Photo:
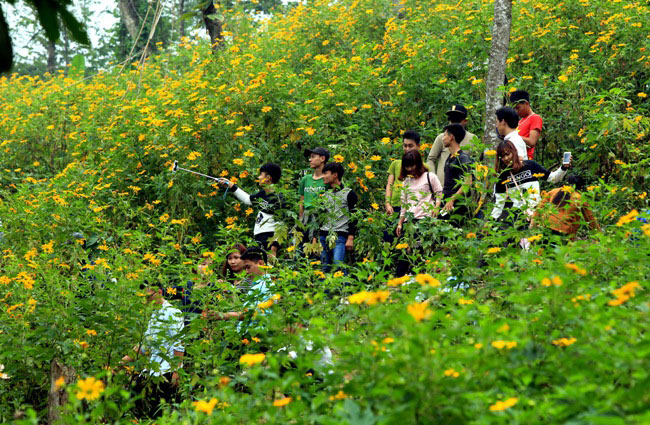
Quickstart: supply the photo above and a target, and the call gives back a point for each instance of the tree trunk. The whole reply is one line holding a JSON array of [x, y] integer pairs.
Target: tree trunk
[[66, 47], [181, 22], [214, 27], [130, 18], [58, 396], [51, 56], [496, 67]]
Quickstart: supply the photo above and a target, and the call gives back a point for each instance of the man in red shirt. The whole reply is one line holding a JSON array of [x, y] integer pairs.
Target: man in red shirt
[[530, 124]]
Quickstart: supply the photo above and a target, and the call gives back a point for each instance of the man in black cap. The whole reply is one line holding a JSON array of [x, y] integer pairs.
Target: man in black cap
[[457, 114], [312, 186]]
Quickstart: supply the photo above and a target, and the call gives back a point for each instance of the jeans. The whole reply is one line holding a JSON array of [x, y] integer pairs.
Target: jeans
[[334, 255]]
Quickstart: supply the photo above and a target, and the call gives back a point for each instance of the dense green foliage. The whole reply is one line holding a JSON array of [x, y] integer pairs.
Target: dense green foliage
[[94, 156]]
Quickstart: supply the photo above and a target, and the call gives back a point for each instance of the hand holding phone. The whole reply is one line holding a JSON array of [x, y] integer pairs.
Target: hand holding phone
[[566, 158]]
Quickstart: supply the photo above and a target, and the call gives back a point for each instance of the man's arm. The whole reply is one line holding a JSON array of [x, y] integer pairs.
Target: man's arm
[[434, 153], [352, 225], [301, 210], [389, 193], [533, 138]]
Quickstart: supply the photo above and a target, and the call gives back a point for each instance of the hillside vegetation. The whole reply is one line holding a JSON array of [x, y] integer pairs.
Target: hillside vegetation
[[556, 334]]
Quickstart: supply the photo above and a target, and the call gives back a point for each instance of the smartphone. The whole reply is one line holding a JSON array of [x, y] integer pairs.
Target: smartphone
[[566, 159]]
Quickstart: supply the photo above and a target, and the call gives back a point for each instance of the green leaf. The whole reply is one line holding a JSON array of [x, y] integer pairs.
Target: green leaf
[[76, 28], [47, 16], [77, 66], [6, 51]]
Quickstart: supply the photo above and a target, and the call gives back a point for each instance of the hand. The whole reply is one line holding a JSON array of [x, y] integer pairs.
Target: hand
[[349, 243], [449, 205], [224, 182], [389, 208], [398, 231]]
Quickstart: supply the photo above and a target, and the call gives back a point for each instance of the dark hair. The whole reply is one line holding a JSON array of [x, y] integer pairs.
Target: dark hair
[[508, 115], [409, 159], [456, 130], [226, 271], [519, 95], [334, 167], [561, 197], [254, 254], [503, 148], [411, 135], [272, 170]]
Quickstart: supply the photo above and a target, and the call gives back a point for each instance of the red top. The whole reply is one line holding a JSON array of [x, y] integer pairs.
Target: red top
[[528, 124]]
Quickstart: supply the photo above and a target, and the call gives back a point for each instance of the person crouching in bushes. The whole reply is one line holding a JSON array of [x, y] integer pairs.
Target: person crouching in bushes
[[268, 203], [163, 348], [519, 181], [254, 260], [562, 210], [421, 197], [335, 218]]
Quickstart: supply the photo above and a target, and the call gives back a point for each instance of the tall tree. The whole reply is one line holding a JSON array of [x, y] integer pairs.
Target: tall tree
[[52, 16], [496, 66], [214, 26]]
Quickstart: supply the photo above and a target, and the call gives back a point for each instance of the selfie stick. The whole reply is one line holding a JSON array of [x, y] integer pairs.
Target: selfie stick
[[217, 179]]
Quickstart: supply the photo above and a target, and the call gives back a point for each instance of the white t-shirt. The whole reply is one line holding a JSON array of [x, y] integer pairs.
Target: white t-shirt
[[519, 143], [162, 337]]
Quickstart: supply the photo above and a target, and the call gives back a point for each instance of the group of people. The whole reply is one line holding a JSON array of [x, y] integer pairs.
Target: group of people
[[417, 192]]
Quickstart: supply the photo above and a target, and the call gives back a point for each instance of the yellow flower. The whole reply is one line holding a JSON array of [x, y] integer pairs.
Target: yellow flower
[[563, 78], [375, 158], [534, 238], [419, 311], [452, 373], [59, 382], [398, 281], [503, 405], [627, 218], [576, 269], [493, 250], [348, 111], [427, 279], [370, 175], [401, 246], [249, 154], [564, 342], [238, 161], [91, 332], [339, 158], [463, 301], [252, 359], [264, 305], [471, 235], [266, 109], [499, 345], [385, 140], [89, 389], [642, 95], [490, 152], [282, 402], [205, 406], [163, 218], [193, 155], [338, 274]]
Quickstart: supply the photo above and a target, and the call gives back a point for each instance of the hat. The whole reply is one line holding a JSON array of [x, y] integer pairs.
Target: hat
[[457, 110], [519, 96], [318, 151]]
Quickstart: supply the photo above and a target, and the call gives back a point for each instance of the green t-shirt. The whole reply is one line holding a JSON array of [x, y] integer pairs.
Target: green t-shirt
[[394, 170], [311, 188]]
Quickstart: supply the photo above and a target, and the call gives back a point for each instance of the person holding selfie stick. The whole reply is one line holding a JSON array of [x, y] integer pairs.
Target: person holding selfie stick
[[268, 203], [519, 181]]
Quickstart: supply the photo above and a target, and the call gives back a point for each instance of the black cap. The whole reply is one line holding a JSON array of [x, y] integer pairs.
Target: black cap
[[319, 151], [519, 96], [457, 110]]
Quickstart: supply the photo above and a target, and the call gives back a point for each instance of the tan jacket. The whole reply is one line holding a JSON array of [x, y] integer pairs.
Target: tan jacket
[[566, 219], [440, 154]]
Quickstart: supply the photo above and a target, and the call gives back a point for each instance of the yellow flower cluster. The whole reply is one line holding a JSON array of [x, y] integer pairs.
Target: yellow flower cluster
[[624, 293], [503, 405], [564, 342], [419, 311], [427, 280], [89, 389], [627, 218], [369, 298], [398, 281], [252, 359], [500, 345], [579, 270], [550, 282]]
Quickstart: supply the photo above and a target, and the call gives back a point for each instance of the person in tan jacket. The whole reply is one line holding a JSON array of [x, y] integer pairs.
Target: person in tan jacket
[[563, 209], [457, 114]]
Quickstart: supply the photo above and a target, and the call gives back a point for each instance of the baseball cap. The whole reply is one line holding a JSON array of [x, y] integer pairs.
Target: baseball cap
[[318, 151], [458, 110]]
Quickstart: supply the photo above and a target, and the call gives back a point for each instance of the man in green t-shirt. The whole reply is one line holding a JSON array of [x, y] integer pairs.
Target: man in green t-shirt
[[410, 142], [312, 186]]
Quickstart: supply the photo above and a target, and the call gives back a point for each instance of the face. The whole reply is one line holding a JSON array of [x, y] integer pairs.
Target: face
[[501, 127], [447, 139], [253, 267], [264, 179], [410, 170], [154, 295], [521, 109], [329, 177], [235, 263], [409, 145], [506, 158], [316, 160]]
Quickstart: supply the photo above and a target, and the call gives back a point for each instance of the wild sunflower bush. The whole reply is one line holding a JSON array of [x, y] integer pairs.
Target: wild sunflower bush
[[484, 332]]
